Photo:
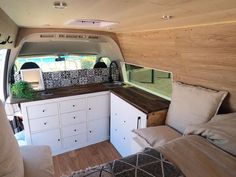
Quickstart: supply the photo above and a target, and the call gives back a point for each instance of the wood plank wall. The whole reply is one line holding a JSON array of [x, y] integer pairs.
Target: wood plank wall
[[203, 55]]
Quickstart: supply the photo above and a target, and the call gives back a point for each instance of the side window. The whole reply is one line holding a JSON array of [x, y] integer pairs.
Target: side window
[[3, 53], [152, 80]]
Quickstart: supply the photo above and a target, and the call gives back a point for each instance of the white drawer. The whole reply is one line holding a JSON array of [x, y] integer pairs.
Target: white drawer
[[73, 118], [73, 130], [72, 105], [74, 142], [50, 138], [98, 130], [46, 123], [44, 110]]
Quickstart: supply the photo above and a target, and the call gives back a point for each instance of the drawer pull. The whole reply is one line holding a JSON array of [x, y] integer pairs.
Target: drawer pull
[[124, 138], [90, 131], [124, 121], [44, 110], [75, 130], [45, 123], [74, 117], [138, 122], [73, 105], [58, 140], [76, 141], [89, 108]]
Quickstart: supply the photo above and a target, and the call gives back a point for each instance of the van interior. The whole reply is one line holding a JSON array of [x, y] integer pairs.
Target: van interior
[[126, 88]]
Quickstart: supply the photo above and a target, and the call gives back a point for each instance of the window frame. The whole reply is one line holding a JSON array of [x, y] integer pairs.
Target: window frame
[[126, 80]]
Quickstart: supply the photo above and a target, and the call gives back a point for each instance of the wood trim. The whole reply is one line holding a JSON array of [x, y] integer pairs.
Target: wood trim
[[23, 32], [203, 55]]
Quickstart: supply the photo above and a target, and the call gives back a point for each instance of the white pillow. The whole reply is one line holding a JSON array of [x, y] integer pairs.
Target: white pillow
[[192, 105], [11, 162]]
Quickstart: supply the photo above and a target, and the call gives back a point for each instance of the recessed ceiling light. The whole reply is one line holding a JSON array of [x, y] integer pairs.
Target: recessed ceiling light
[[60, 5], [166, 17]]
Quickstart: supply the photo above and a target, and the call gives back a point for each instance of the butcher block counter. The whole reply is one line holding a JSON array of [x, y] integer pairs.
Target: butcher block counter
[[146, 102]]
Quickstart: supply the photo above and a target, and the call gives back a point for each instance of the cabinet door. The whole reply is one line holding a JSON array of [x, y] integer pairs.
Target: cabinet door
[[124, 119], [98, 130], [50, 138], [98, 107]]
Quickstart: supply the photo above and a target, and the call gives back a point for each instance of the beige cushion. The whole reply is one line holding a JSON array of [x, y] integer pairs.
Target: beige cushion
[[11, 163], [192, 105], [156, 136], [221, 131], [37, 161]]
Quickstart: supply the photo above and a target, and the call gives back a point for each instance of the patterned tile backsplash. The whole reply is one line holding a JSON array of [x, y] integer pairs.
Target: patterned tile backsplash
[[76, 77]]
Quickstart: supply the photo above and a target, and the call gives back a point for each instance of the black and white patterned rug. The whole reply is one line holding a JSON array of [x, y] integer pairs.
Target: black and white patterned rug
[[149, 163]]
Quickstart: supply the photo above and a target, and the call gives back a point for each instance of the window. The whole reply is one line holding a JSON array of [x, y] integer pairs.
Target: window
[[3, 53], [152, 80], [59, 63]]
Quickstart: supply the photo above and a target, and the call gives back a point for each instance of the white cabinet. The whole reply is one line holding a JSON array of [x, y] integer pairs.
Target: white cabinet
[[124, 119], [67, 123]]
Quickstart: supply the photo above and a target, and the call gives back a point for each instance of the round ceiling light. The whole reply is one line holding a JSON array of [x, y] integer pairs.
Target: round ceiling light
[[60, 5], [166, 17]]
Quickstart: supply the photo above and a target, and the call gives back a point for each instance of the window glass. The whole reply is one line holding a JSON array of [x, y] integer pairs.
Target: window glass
[[3, 53], [152, 80], [59, 63]]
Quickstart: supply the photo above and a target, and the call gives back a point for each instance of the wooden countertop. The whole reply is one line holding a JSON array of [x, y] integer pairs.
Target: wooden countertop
[[142, 100], [64, 92]]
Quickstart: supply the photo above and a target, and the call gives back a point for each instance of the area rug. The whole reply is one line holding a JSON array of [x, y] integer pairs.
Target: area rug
[[149, 163]]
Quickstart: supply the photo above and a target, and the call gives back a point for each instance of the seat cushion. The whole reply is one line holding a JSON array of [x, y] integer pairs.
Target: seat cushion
[[192, 105], [156, 136], [11, 163], [37, 161]]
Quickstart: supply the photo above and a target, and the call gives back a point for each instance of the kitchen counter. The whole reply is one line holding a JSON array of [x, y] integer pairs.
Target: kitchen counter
[[142, 100]]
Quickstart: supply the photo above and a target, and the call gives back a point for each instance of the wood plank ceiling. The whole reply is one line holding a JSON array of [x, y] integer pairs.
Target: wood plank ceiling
[[132, 15]]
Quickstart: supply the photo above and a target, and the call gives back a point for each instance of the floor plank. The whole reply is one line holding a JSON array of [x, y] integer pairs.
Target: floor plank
[[83, 158]]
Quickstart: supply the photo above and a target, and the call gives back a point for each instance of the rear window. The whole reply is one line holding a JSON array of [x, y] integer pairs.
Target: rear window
[[55, 63]]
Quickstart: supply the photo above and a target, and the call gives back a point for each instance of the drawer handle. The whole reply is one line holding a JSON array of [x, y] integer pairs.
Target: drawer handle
[[73, 105], [138, 122], [124, 121], [89, 108], [76, 141], [45, 123], [44, 110], [124, 138], [75, 130], [74, 117], [90, 131], [58, 140]]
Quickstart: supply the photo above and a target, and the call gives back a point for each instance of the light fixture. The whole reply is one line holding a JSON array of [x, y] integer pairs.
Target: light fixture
[[90, 23], [166, 17], [60, 5]]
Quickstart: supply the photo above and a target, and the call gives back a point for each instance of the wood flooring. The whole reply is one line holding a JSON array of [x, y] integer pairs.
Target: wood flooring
[[85, 157]]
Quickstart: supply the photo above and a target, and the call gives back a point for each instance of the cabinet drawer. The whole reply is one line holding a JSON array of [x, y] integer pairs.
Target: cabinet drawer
[[98, 130], [73, 130], [50, 138], [74, 142], [44, 110], [73, 118], [72, 105], [44, 123]]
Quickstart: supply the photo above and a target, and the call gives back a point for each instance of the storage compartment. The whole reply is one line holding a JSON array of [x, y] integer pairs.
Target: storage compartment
[[42, 124], [73, 118], [50, 138], [43, 110], [72, 105], [74, 142], [73, 130]]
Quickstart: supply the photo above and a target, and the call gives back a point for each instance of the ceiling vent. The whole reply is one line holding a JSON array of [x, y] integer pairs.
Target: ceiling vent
[[90, 23]]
